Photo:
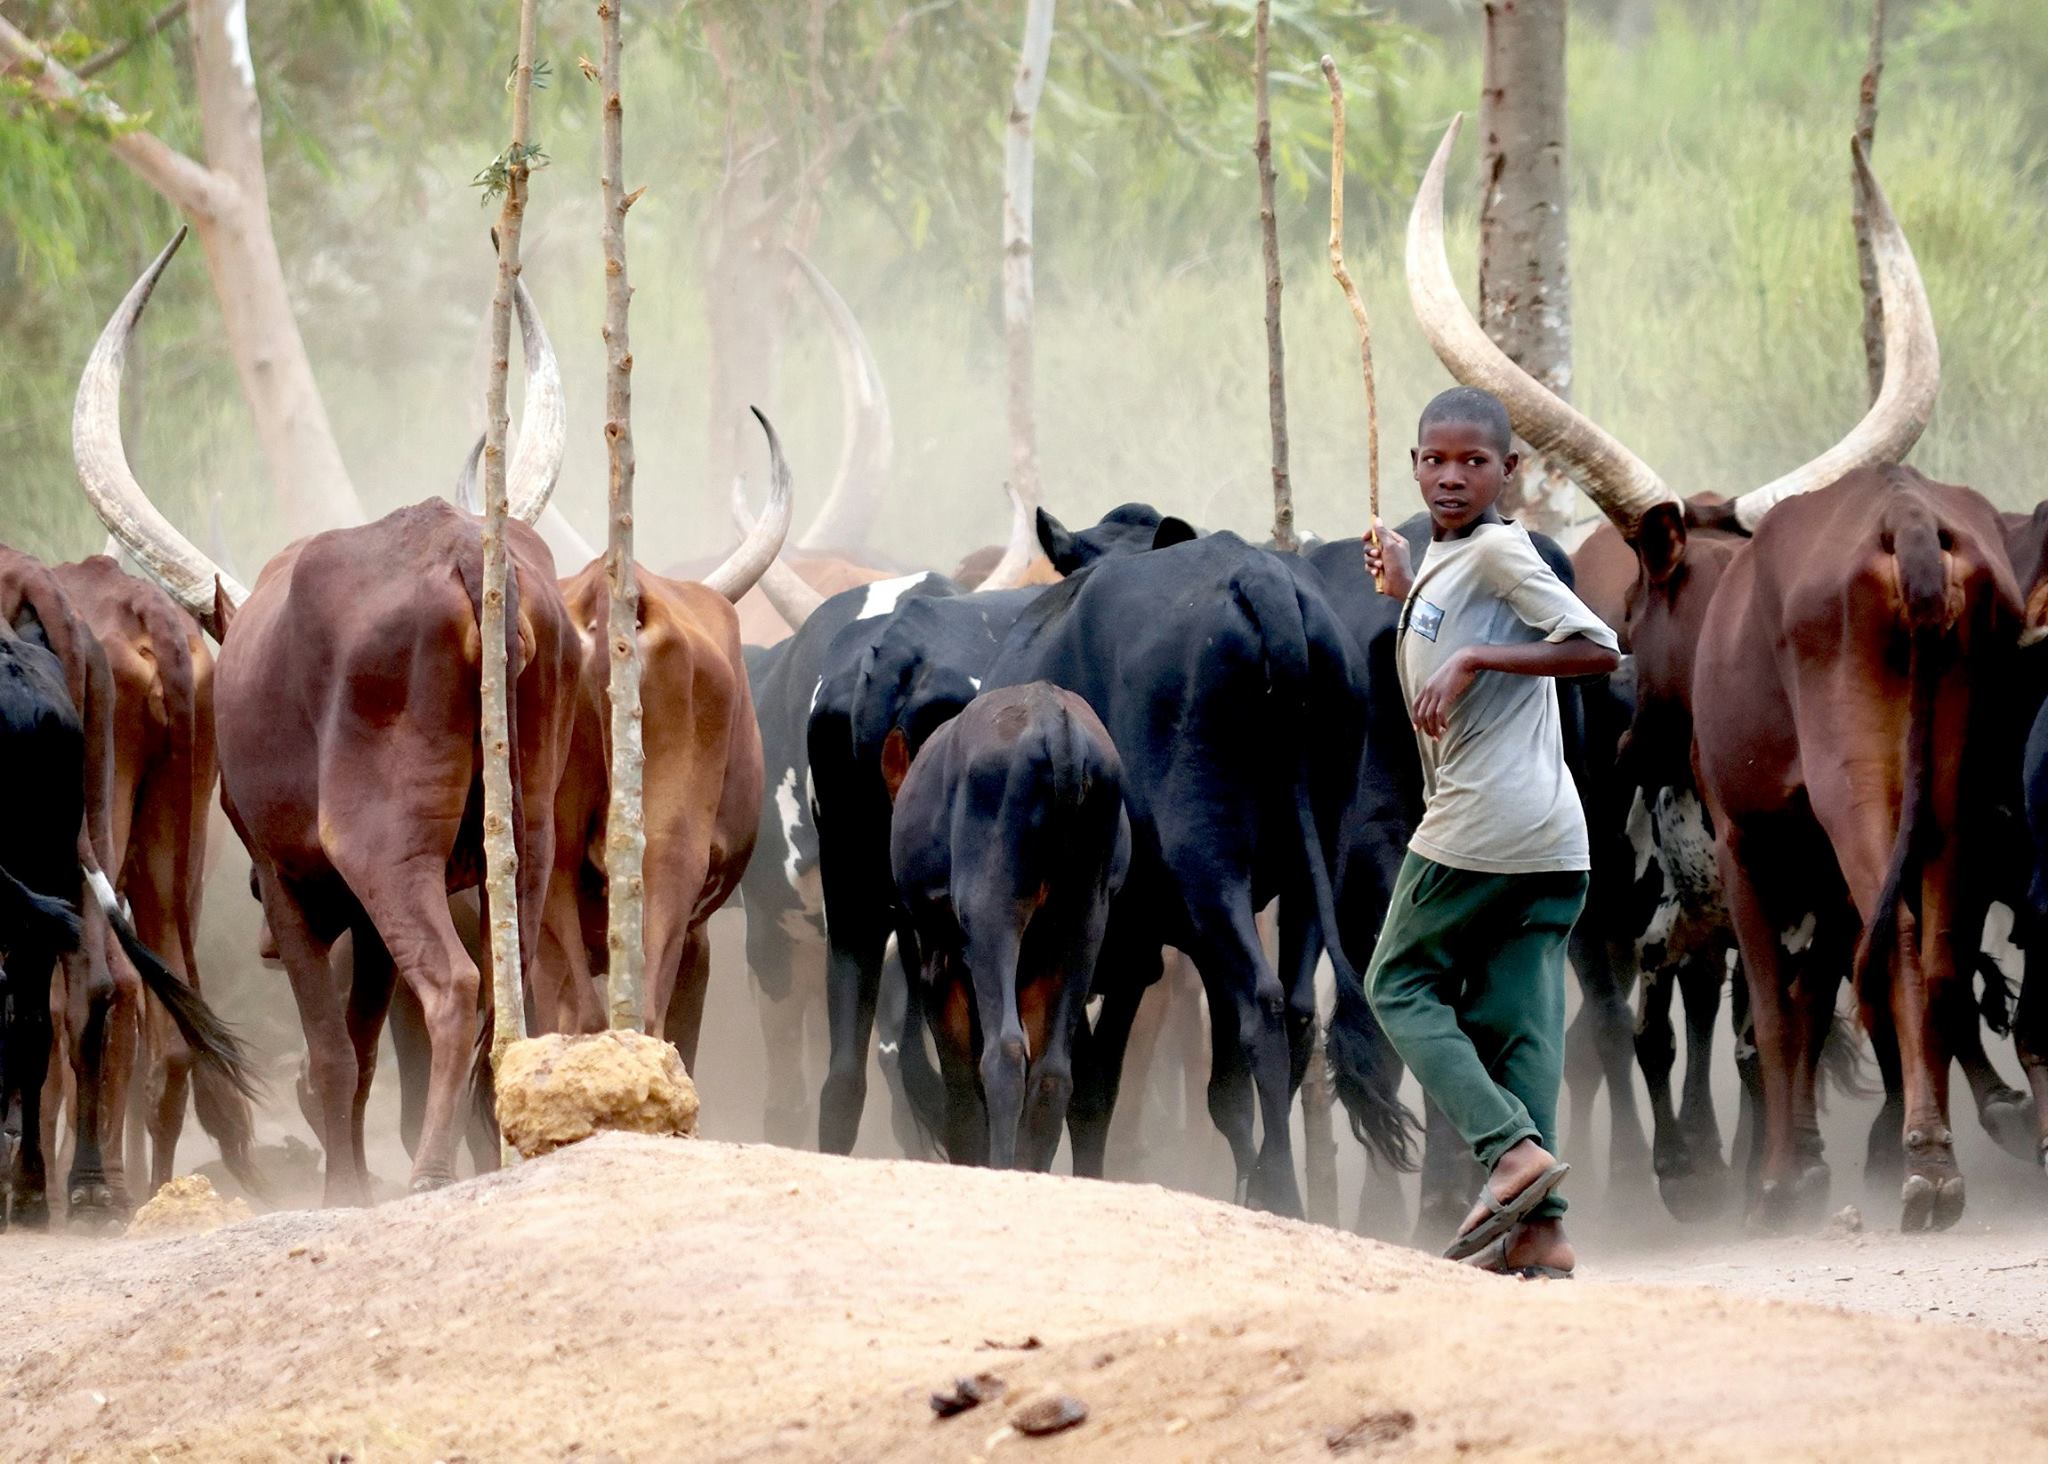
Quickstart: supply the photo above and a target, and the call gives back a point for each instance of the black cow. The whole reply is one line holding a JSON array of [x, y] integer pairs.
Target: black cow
[[889, 682], [1228, 686], [1008, 842], [42, 881], [782, 889]]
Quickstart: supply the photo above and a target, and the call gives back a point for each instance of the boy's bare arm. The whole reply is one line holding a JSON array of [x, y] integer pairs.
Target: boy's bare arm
[[1573, 656]]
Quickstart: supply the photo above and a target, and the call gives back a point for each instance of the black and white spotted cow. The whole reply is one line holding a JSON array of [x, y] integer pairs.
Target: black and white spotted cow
[[783, 890]]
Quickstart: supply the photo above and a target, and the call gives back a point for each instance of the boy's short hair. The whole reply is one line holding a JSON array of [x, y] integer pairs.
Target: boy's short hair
[[1470, 405]]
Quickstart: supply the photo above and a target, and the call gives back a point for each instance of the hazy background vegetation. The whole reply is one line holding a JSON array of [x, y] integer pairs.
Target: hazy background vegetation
[[1714, 272]]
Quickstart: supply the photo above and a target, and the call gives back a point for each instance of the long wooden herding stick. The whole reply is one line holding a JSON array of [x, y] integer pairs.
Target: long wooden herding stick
[[1343, 276]]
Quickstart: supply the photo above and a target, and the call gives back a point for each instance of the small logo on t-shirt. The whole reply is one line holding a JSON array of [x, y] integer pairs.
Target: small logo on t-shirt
[[1425, 619]]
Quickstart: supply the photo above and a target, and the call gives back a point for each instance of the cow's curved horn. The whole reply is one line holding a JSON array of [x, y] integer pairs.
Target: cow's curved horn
[[744, 567], [1619, 481], [109, 483], [1912, 366], [468, 497], [1010, 570], [543, 421], [867, 438], [791, 595]]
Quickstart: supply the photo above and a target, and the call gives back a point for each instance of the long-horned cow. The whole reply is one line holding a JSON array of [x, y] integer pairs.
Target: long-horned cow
[[701, 783], [163, 775], [347, 719], [1683, 552]]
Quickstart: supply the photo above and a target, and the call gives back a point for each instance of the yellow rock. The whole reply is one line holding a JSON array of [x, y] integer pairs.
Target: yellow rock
[[187, 1206], [556, 1090]]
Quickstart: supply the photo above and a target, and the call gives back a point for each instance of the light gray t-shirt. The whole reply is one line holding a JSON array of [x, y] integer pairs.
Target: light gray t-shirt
[[1499, 798]]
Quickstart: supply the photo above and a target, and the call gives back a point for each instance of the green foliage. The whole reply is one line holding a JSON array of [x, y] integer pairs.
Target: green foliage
[[496, 175], [1715, 296]]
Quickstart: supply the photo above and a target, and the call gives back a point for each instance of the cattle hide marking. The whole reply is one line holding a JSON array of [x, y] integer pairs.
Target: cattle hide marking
[[882, 596]]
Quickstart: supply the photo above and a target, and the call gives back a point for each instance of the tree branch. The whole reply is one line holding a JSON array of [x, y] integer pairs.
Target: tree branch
[[197, 191], [93, 65]]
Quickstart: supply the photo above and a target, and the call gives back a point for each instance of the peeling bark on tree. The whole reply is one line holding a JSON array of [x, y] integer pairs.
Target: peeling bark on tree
[[1524, 254], [1866, 260], [1276, 356], [1017, 289], [501, 843], [625, 843], [226, 200]]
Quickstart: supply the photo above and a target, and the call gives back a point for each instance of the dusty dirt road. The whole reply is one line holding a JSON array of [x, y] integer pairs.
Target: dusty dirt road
[[647, 1299]]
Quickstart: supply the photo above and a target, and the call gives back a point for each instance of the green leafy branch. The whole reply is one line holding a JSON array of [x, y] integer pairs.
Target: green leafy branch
[[496, 176]]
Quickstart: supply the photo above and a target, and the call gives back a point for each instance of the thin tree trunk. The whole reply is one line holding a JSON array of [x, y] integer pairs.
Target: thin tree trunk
[[227, 202], [1017, 294], [625, 843], [1524, 255], [1276, 356], [1866, 261], [501, 843]]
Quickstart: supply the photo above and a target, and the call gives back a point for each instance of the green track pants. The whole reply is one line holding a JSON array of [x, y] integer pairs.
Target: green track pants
[[1468, 981]]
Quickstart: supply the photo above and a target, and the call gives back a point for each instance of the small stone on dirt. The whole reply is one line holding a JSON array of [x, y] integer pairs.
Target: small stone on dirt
[[1847, 1221], [1374, 1428], [1049, 1415], [187, 1206], [969, 1393], [557, 1090]]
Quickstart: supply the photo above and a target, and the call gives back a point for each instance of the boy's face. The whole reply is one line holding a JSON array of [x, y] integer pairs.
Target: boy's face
[[1460, 471]]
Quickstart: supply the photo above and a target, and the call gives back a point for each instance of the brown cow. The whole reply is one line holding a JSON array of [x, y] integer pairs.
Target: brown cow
[[1835, 700], [701, 789], [97, 992], [347, 716], [1676, 551], [164, 771]]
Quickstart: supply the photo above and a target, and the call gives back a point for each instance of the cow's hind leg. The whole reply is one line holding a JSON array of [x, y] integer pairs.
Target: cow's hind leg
[[1450, 1177], [1128, 964], [2005, 1112], [93, 1013], [408, 903], [1249, 1052], [1599, 1050], [24, 1065], [369, 1002], [853, 983], [1701, 1190]]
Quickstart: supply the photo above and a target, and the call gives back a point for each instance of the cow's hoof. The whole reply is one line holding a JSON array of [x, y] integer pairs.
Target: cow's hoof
[[427, 1183], [91, 1208], [1773, 1208], [2009, 1119], [1695, 1196], [1948, 1201], [1810, 1190], [1916, 1203], [30, 1211]]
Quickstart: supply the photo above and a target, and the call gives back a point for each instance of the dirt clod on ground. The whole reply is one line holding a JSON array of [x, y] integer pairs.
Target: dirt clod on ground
[[186, 1206], [811, 1303], [559, 1090]]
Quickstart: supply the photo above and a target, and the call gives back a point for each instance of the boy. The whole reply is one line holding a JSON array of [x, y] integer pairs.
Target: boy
[[1468, 976]]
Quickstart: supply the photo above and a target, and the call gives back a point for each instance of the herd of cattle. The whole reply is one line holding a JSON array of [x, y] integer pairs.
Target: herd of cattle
[[1825, 757]]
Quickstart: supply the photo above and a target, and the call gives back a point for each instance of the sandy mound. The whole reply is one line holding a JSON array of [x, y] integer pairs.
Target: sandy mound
[[186, 1205], [641, 1298], [560, 1090]]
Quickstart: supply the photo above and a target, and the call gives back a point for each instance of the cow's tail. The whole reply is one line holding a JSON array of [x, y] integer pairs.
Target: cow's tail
[[1923, 581], [215, 1047], [1363, 1069], [49, 922]]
